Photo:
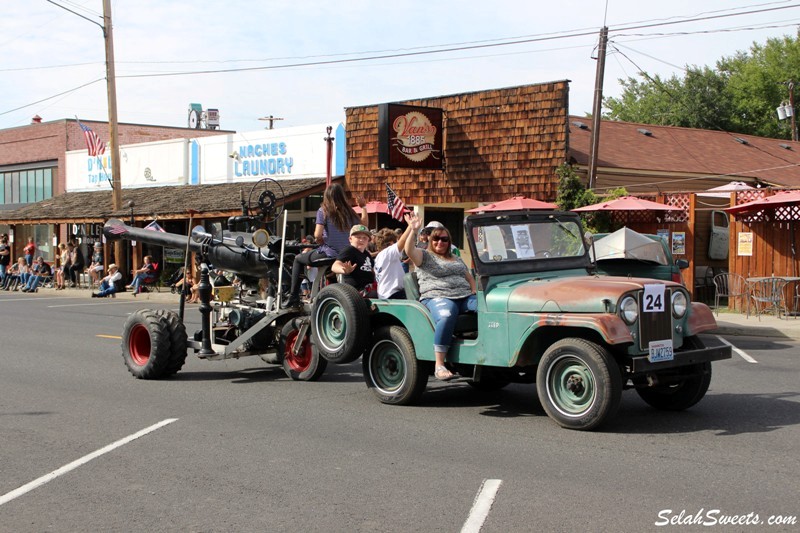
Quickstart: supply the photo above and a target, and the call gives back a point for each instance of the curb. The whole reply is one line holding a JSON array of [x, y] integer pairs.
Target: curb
[[754, 331]]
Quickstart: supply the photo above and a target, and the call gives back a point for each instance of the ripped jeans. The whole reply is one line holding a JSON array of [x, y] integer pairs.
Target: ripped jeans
[[445, 313]]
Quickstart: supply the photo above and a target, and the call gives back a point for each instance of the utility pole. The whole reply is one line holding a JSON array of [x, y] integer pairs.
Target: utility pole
[[116, 181], [791, 103], [597, 105], [270, 119]]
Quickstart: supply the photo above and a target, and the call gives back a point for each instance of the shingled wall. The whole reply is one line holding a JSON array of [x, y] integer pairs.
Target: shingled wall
[[498, 143]]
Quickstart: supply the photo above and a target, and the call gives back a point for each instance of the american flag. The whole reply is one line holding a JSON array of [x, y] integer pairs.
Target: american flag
[[93, 143], [394, 205], [153, 226]]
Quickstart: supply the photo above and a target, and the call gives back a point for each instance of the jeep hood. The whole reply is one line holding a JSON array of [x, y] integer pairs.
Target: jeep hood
[[573, 295]]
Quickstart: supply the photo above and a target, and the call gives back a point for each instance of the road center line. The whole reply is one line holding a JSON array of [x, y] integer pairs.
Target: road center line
[[481, 506], [737, 350], [16, 493], [85, 304]]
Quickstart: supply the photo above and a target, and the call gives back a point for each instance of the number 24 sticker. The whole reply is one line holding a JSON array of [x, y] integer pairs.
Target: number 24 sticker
[[653, 299]]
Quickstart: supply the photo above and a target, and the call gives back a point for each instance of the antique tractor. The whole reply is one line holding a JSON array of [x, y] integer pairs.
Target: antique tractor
[[236, 321]]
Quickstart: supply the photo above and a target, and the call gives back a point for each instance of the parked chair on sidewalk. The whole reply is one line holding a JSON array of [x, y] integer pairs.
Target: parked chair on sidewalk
[[729, 285], [767, 294]]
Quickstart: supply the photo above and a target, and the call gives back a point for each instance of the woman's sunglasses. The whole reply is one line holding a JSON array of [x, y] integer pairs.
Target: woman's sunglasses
[[443, 238]]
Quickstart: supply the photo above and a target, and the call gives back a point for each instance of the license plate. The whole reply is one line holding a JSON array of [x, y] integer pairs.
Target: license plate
[[660, 351]]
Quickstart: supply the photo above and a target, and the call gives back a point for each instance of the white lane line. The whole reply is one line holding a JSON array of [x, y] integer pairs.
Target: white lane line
[[16, 493], [86, 304], [481, 506], [737, 350]]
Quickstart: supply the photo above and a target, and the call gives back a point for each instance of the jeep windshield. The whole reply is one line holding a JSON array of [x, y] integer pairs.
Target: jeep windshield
[[537, 240]]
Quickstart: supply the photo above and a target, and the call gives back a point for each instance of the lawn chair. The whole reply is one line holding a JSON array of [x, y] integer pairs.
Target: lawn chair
[[729, 285], [767, 294], [152, 281]]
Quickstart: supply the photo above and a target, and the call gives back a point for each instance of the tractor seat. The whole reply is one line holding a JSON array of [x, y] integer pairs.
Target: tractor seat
[[323, 262], [466, 322]]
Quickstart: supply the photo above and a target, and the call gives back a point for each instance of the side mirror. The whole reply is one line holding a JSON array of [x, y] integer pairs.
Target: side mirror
[[682, 263]]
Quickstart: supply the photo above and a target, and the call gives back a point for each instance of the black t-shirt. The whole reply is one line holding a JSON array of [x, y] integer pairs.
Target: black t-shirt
[[363, 274], [5, 259]]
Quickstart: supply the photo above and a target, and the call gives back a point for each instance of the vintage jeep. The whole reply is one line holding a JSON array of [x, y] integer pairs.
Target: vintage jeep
[[543, 316]]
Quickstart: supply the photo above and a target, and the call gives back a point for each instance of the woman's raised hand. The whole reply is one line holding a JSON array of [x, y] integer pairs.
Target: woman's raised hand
[[414, 221]]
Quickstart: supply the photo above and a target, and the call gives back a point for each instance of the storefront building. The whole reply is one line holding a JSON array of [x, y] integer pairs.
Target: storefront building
[[33, 169]]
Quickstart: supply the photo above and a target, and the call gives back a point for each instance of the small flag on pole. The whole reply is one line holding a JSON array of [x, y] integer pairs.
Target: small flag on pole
[[154, 226], [394, 205], [93, 143]]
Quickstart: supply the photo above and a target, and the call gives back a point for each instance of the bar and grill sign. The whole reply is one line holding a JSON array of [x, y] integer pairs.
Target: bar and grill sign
[[409, 137]]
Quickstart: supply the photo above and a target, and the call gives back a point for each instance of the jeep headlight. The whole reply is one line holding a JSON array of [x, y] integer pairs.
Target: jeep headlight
[[678, 304], [629, 310]]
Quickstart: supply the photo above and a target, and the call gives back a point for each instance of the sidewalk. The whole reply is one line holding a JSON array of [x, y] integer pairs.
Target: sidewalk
[[768, 326]]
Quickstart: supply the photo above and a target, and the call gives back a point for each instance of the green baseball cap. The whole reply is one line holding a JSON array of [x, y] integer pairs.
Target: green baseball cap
[[360, 228]]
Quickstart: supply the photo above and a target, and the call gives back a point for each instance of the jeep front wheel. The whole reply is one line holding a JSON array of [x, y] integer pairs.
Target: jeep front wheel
[[681, 395], [391, 368], [578, 383]]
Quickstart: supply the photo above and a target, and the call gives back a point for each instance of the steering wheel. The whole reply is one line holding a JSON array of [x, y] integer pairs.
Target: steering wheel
[[263, 201]]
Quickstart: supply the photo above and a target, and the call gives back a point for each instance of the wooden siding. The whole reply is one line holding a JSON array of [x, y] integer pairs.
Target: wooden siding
[[498, 143]]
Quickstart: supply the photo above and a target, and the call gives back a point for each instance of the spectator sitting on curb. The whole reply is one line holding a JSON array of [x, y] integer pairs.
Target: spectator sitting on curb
[[13, 275], [39, 271], [108, 285]]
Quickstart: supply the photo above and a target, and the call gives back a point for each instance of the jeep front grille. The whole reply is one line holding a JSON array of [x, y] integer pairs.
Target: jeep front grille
[[655, 326]]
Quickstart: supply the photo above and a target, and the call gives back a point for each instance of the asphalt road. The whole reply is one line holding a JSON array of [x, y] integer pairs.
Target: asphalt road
[[243, 448]]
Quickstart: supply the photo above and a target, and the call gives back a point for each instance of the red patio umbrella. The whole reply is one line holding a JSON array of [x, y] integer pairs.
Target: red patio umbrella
[[373, 207], [779, 199], [513, 204], [627, 203]]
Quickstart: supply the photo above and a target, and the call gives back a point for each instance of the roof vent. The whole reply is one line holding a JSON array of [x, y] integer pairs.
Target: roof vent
[[580, 125], [740, 140], [785, 146], [646, 133]]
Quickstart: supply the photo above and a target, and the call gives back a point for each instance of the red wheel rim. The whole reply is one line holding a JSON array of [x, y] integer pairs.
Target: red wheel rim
[[139, 345], [301, 361]]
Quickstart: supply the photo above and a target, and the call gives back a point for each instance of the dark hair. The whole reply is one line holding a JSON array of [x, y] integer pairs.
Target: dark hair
[[336, 208], [443, 232]]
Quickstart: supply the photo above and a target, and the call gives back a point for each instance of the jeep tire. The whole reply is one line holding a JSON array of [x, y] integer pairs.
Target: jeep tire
[[681, 395], [391, 368], [579, 384]]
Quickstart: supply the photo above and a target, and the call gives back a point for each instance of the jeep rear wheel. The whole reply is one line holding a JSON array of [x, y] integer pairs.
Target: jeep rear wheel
[[579, 384], [681, 395], [391, 368], [306, 364]]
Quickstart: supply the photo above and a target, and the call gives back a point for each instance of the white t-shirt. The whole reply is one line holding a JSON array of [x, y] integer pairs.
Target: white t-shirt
[[388, 271]]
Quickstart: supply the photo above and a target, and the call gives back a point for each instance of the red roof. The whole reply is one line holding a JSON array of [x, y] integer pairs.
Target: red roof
[[650, 148]]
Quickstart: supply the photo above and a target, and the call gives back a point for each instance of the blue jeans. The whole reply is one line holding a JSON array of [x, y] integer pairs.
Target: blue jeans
[[138, 281], [33, 282], [445, 313], [106, 289]]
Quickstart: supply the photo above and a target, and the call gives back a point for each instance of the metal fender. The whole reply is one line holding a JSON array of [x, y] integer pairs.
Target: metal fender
[[610, 327], [700, 319], [414, 317]]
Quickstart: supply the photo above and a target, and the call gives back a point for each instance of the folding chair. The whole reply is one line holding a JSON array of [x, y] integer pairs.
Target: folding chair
[[767, 294], [729, 285]]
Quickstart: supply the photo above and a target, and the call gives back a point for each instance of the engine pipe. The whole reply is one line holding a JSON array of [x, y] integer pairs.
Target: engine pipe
[[228, 253]]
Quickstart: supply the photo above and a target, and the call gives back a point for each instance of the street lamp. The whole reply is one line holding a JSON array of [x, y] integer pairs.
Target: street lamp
[[130, 206]]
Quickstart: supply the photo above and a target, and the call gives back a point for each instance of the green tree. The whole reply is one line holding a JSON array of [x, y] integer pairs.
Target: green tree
[[739, 94]]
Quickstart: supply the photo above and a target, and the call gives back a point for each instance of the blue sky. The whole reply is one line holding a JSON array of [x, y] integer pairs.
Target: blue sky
[[46, 51]]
